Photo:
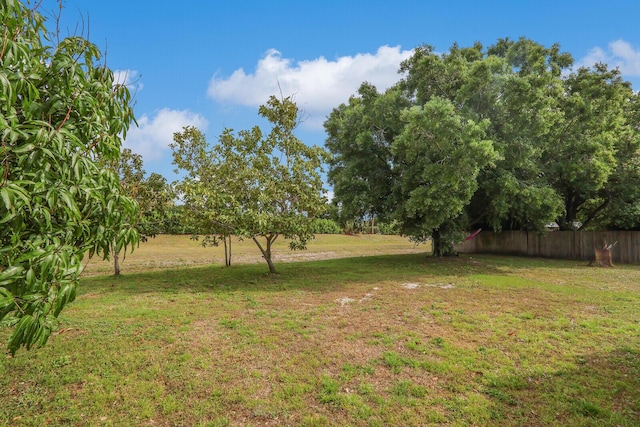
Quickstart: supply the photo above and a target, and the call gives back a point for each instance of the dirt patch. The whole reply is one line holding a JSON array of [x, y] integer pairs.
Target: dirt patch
[[428, 285], [344, 301]]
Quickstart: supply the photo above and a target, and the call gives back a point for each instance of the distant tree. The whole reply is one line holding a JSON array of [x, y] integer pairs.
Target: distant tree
[[206, 194], [156, 198], [129, 170], [153, 195], [253, 185], [62, 118], [177, 222]]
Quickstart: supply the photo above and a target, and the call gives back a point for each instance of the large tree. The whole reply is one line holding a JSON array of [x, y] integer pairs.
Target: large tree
[[618, 203], [590, 160], [360, 134], [516, 86], [565, 143], [62, 117], [440, 154], [253, 185]]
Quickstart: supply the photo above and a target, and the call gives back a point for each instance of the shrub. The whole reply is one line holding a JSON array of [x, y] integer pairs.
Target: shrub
[[325, 226]]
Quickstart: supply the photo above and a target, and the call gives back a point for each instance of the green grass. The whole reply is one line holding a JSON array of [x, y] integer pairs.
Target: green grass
[[481, 341]]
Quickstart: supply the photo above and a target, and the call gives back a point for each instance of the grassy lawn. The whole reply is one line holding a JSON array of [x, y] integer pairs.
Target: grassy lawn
[[383, 339], [164, 252]]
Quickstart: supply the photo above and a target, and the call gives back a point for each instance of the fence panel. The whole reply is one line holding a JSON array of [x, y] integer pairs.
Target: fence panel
[[557, 244]]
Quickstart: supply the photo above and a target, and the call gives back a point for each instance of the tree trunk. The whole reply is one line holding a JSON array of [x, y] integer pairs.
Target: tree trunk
[[437, 243], [227, 251], [572, 205], [272, 267], [116, 263], [226, 255], [595, 212], [266, 251], [267, 255]]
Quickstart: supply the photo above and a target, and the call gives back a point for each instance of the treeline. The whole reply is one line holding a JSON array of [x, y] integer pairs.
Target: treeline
[[507, 137], [173, 219]]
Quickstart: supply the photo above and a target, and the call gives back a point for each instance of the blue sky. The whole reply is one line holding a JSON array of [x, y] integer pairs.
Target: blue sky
[[211, 63]]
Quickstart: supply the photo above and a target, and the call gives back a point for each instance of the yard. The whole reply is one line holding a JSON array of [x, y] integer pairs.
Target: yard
[[359, 330]]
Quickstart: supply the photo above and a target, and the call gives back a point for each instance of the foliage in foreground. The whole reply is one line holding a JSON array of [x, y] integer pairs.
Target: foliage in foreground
[[61, 120], [388, 340]]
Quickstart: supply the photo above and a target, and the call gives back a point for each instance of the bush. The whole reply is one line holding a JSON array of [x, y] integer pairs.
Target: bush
[[389, 228], [325, 226]]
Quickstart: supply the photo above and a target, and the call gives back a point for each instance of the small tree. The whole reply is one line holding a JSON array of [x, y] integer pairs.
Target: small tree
[[253, 185], [129, 170], [153, 195], [156, 199], [61, 119]]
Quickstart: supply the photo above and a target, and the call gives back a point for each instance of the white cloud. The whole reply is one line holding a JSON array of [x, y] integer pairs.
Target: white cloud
[[329, 195], [619, 54], [319, 85], [154, 134], [129, 78]]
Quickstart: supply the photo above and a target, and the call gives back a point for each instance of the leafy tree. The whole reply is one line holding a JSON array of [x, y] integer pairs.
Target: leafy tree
[[177, 222], [516, 194], [440, 154], [61, 118], [253, 185], [564, 145], [129, 170], [153, 195], [618, 204], [392, 158], [515, 85], [359, 135], [593, 145], [156, 199], [207, 202]]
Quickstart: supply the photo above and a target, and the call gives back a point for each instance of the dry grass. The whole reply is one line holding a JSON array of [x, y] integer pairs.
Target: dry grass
[[168, 251]]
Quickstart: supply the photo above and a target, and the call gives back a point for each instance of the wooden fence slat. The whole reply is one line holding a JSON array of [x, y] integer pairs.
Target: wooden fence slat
[[557, 244]]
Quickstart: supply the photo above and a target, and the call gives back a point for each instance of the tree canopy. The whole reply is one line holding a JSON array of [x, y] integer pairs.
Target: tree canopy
[[441, 154], [62, 117], [253, 185], [504, 137]]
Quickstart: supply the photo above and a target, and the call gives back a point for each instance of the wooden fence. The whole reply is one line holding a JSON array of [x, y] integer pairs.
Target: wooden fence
[[557, 244]]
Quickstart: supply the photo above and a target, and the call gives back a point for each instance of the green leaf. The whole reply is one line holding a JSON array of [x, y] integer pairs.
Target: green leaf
[[6, 198], [10, 274], [61, 135], [6, 299]]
